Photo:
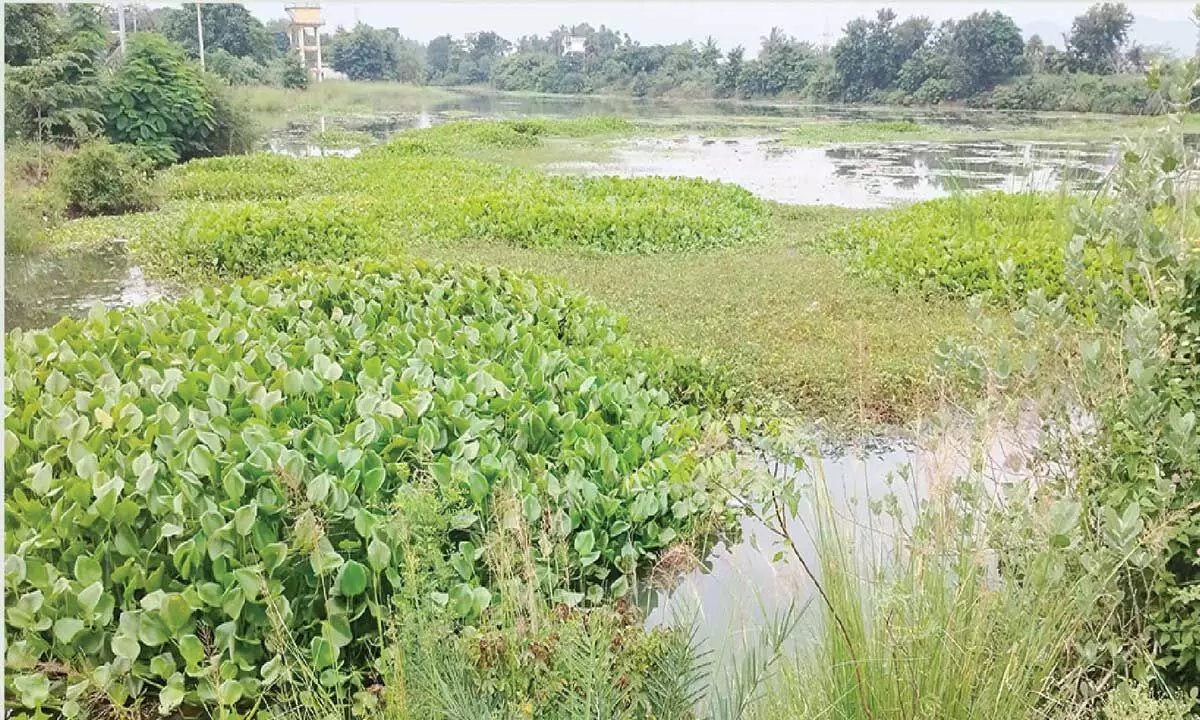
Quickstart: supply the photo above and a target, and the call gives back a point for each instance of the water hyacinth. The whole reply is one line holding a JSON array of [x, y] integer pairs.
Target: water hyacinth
[[182, 475]]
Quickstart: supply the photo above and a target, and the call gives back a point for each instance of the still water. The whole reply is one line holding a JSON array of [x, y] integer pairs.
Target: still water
[[41, 288], [861, 175]]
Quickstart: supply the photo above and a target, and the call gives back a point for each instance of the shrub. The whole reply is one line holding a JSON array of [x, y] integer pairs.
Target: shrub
[[185, 477], [106, 179], [292, 73], [156, 96], [1077, 92], [235, 70]]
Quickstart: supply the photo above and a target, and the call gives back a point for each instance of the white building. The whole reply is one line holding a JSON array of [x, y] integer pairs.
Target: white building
[[574, 44]]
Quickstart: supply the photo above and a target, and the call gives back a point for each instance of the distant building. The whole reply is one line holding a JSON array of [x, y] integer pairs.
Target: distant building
[[574, 44], [305, 28]]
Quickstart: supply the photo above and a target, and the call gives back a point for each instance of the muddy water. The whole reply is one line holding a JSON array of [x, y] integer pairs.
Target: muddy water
[[39, 289], [861, 175]]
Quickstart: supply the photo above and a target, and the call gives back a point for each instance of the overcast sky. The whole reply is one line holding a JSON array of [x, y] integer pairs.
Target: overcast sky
[[731, 23]]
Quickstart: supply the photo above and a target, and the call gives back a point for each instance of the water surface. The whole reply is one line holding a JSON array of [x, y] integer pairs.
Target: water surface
[[41, 288]]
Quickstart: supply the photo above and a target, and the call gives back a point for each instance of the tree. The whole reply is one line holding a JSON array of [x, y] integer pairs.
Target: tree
[[986, 49], [157, 98], [1097, 36], [484, 49], [850, 60], [443, 57], [365, 53], [227, 26], [293, 74], [1035, 54], [710, 54], [730, 73], [30, 32]]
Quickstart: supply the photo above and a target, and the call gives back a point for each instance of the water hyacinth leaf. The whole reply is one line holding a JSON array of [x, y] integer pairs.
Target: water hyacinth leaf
[[252, 472], [65, 629], [175, 612], [191, 649], [89, 597], [322, 653], [379, 556], [352, 579]]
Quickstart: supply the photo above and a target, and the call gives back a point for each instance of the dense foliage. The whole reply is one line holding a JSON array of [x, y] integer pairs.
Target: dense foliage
[[236, 240], [106, 179], [417, 188], [159, 99], [879, 59], [228, 27], [365, 53], [186, 479], [996, 244]]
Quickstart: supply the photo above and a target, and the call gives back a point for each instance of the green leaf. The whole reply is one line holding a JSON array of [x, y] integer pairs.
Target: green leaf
[[191, 649], [379, 555], [175, 612], [65, 629], [89, 597], [584, 542], [244, 517], [352, 579], [88, 571], [322, 653], [126, 646]]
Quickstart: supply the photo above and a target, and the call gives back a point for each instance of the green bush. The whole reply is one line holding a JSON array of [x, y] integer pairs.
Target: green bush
[[158, 98], [995, 244], [106, 179], [184, 480], [1076, 92], [292, 73]]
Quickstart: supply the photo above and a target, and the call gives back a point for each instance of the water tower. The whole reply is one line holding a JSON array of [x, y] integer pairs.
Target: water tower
[[304, 32]]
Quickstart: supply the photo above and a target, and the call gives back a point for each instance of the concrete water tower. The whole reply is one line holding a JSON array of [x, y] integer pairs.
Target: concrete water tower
[[304, 32]]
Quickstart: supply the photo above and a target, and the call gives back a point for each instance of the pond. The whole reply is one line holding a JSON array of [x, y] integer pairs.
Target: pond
[[41, 288], [861, 175]]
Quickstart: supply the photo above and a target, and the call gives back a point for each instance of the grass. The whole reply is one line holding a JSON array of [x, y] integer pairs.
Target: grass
[[787, 316], [918, 620], [275, 106]]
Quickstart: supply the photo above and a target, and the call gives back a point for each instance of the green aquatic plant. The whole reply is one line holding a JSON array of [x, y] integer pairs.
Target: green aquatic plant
[[183, 477], [998, 245], [448, 199], [340, 138]]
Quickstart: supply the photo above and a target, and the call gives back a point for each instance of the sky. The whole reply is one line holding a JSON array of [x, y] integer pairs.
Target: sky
[[731, 23]]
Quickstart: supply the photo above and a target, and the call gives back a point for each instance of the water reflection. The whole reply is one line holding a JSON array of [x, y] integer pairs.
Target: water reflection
[[742, 584], [39, 289], [862, 176]]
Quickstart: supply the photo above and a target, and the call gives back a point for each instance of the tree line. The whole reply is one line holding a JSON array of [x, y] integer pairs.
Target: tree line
[[878, 59]]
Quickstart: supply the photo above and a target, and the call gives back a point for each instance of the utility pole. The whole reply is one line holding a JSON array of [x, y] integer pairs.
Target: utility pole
[[121, 26], [200, 32]]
